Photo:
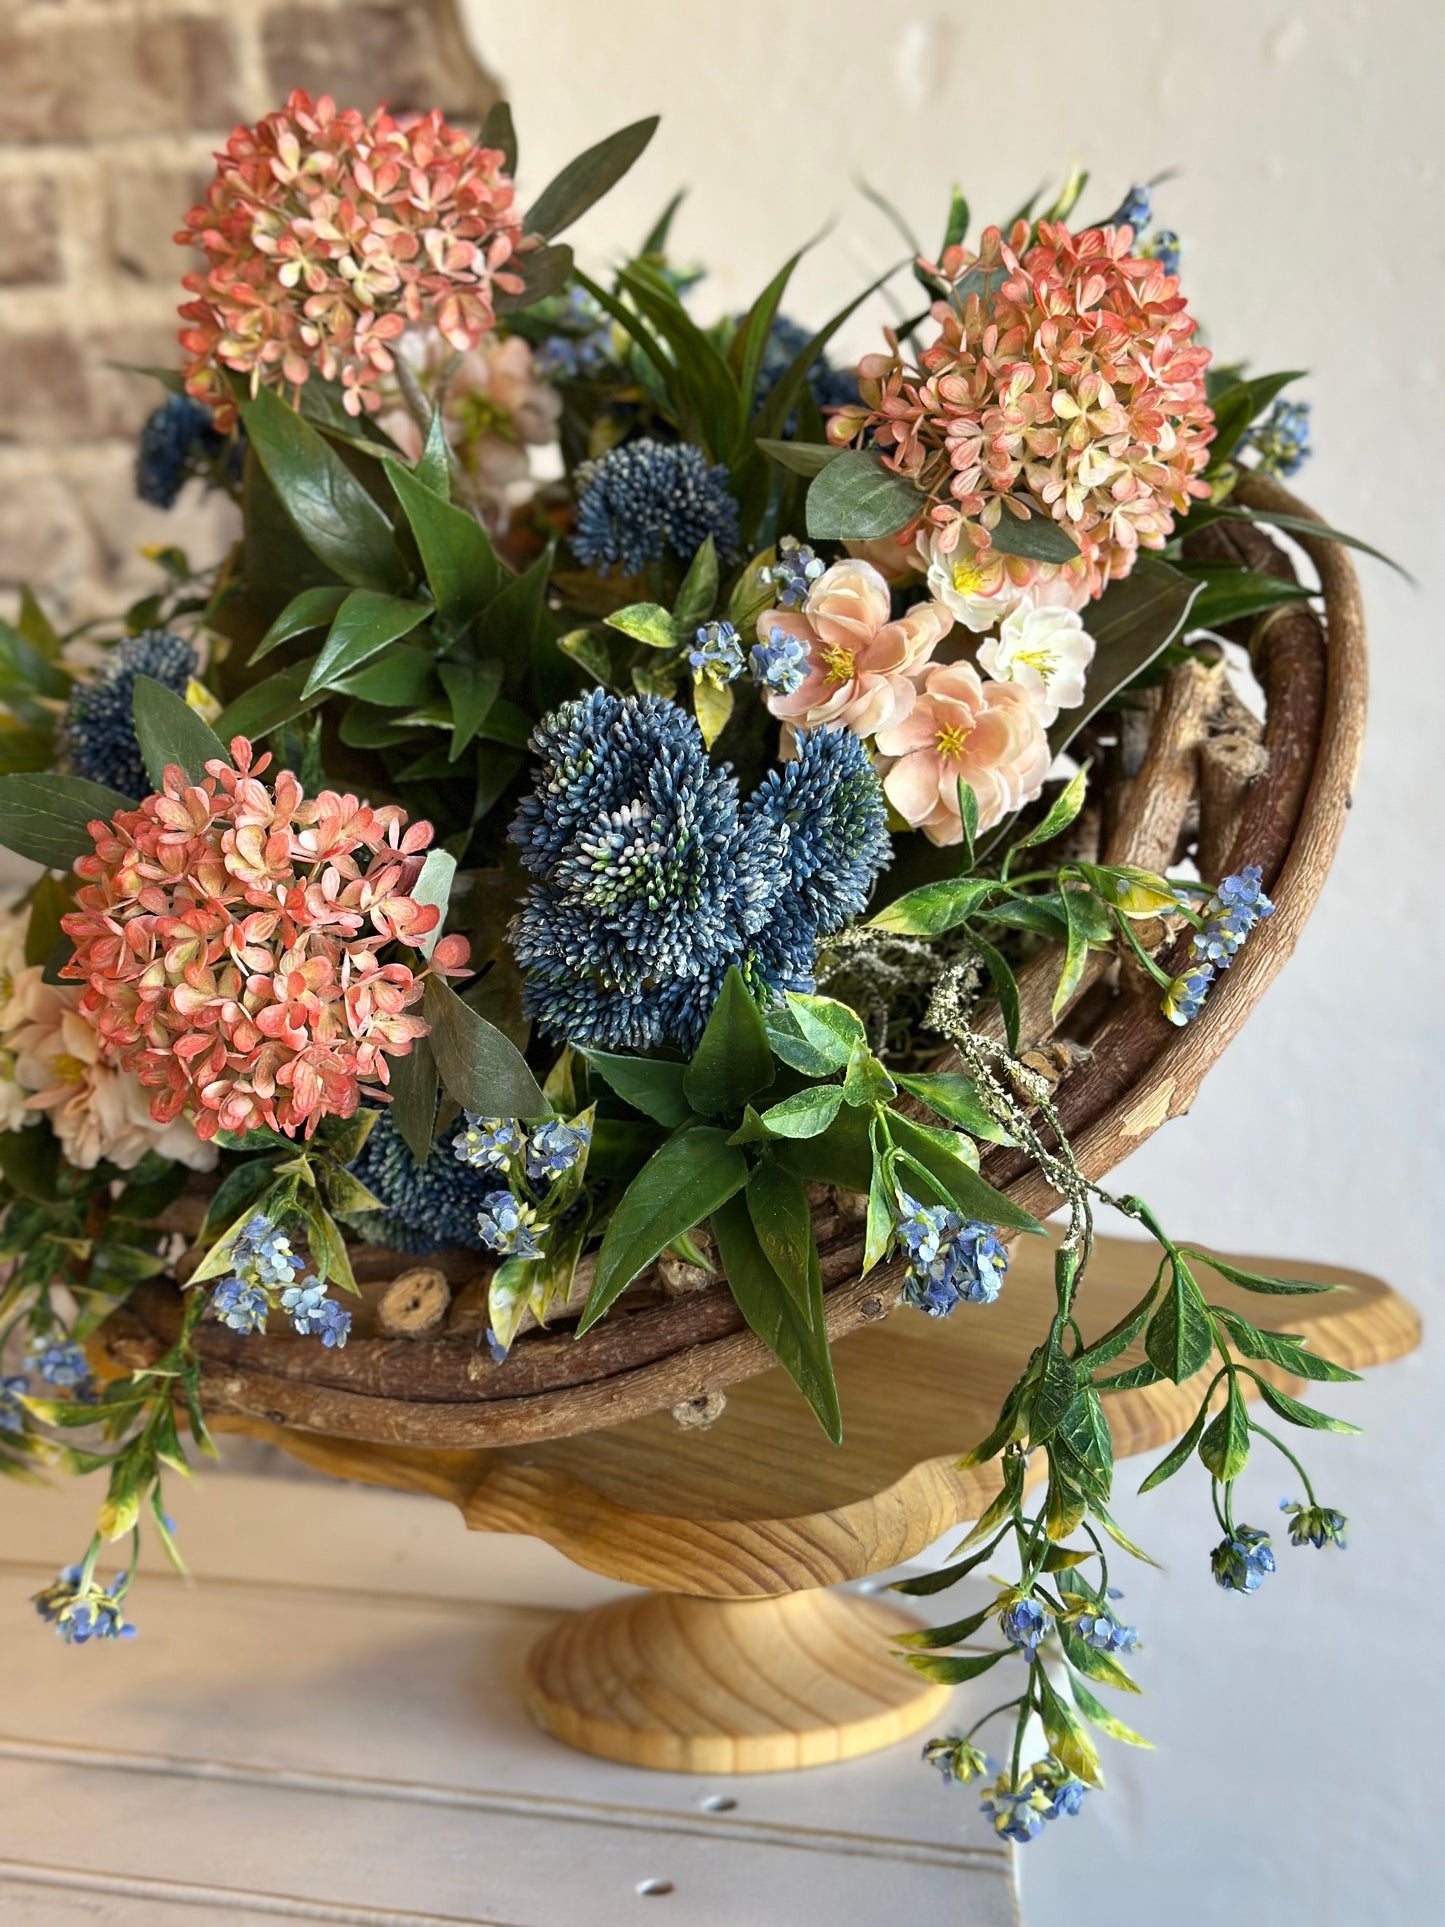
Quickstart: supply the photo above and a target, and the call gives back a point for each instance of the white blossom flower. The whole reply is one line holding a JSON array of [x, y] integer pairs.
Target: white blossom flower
[[1046, 652]]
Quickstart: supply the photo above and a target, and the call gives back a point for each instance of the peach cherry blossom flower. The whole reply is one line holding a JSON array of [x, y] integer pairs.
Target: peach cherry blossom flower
[[1044, 652], [963, 728], [980, 585], [862, 664]]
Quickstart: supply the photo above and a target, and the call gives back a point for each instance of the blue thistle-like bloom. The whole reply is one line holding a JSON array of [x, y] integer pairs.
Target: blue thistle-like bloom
[[1281, 442], [98, 731], [792, 572], [829, 805], [179, 439], [1162, 246], [1240, 1563], [425, 1207], [1105, 1633], [60, 1362], [950, 1260], [1024, 1623], [509, 1226], [1063, 1790], [81, 1611], [830, 387], [241, 1306], [1018, 1813], [779, 665], [1230, 914], [956, 1759], [12, 1413], [554, 1148], [1133, 211], [649, 498], [718, 655], [1313, 1525]]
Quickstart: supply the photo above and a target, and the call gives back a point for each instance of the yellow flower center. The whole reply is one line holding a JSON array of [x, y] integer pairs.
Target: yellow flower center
[[950, 742], [70, 1070], [1045, 661], [967, 576], [838, 662]]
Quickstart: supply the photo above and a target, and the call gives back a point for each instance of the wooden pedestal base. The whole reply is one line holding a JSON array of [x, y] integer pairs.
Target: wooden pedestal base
[[729, 1685]]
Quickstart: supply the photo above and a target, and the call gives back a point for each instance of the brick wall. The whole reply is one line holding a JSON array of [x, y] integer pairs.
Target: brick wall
[[109, 111]]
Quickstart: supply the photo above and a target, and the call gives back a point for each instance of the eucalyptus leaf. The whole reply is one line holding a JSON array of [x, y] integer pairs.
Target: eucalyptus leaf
[[479, 1066], [414, 1098], [1037, 539], [856, 498], [47, 817], [586, 179], [169, 731], [434, 885]]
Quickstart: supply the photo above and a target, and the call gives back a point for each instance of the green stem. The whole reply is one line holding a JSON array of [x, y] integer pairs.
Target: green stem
[[1280, 1446]]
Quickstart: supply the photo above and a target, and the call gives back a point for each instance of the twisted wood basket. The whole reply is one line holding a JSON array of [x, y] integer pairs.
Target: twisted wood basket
[[1197, 772]]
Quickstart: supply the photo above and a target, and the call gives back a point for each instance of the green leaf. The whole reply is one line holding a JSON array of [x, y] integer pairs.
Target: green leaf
[[649, 1085], [1278, 1348], [462, 569], [974, 1196], [1230, 592], [831, 1028], [806, 1113], [266, 705], [1293, 1413], [50, 900], [856, 499], [1131, 1380], [927, 1583], [934, 908], [414, 1098], [686, 1180], [328, 507], [1061, 812], [783, 1225], [955, 1097], [1179, 1455], [840, 1155], [169, 731], [36, 627], [1068, 1741], [790, 1047], [799, 1344], [30, 1161], [733, 1059], [544, 272], [1005, 986], [499, 133], [235, 1194], [713, 706], [954, 1670], [698, 593], [472, 690], [1258, 1281], [935, 1636], [968, 820], [47, 818], [646, 622], [1180, 1338], [434, 885], [480, 1067], [1132, 622], [1301, 525], [587, 178], [1224, 1448], [866, 1082], [1039, 539], [800, 458], [365, 624], [1087, 1659], [1055, 1390], [311, 609], [1085, 1431], [1121, 1538], [878, 1231], [1100, 1716], [1240, 404]]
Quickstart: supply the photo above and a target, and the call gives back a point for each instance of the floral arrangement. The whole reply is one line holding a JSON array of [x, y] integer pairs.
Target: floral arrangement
[[627, 845]]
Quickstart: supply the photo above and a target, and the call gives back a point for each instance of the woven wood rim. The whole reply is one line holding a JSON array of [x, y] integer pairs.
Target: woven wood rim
[[1127, 1072]]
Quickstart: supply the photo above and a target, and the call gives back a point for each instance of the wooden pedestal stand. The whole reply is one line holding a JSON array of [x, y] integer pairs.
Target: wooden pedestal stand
[[737, 1660]]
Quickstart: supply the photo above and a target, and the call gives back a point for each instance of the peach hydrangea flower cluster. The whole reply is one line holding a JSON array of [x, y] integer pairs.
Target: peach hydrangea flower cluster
[[227, 936], [327, 233], [1064, 381]]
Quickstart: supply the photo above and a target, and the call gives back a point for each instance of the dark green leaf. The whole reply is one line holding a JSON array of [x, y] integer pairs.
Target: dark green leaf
[[47, 818], [953, 1671], [1241, 403], [800, 458], [954, 1635], [1131, 623], [544, 272], [1224, 1448], [461, 565], [365, 624], [169, 731], [1178, 1455], [499, 134], [30, 1161], [955, 1097], [927, 1583], [733, 1060], [857, 499], [1180, 1338], [480, 1067], [1039, 539], [1229, 593], [968, 820], [1257, 1281], [840, 1155], [472, 689], [434, 469], [1300, 525], [800, 1345], [974, 1196], [1055, 1390], [783, 1225], [1131, 1380], [1293, 1413], [806, 1113], [266, 705], [311, 609], [1085, 1431], [649, 1085], [1278, 1349], [587, 178], [687, 1180], [328, 507], [50, 900], [1005, 986]]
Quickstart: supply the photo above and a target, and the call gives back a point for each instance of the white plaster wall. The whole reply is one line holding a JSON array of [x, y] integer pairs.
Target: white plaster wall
[[1298, 1764]]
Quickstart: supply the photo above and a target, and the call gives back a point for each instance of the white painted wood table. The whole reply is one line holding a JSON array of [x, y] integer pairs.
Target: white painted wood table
[[326, 1727]]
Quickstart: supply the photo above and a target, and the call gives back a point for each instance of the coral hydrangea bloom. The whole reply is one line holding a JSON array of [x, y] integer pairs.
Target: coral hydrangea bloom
[[1064, 381], [985, 733], [327, 233], [862, 664], [228, 935]]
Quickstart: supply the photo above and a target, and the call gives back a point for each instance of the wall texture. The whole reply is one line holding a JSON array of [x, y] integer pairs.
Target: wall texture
[[111, 110]]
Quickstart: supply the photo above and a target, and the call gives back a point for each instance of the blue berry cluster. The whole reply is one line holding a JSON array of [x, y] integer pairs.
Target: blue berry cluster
[[426, 1207], [648, 499], [180, 439], [61, 1363], [949, 1259], [1230, 914], [99, 729], [652, 878]]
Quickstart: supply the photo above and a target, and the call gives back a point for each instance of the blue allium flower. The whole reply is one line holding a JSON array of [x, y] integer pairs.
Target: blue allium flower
[[178, 440], [1240, 1562], [792, 572], [829, 805], [425, 1207], [779, 665], [98, 731], [1281, 442], [949, 1260], [648, 498], [957, 1760], [1024, 1623], [1063, 1790], [12, 1414], [553, 1149], [1230, 914], [718, 655], [507, 1225], [1310, 1525], [1105, 1633], [1163, 247], [241, 1306], [1133, 211], [830, 387], [81, 1611], [60, 1362], [1018, 1813]]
